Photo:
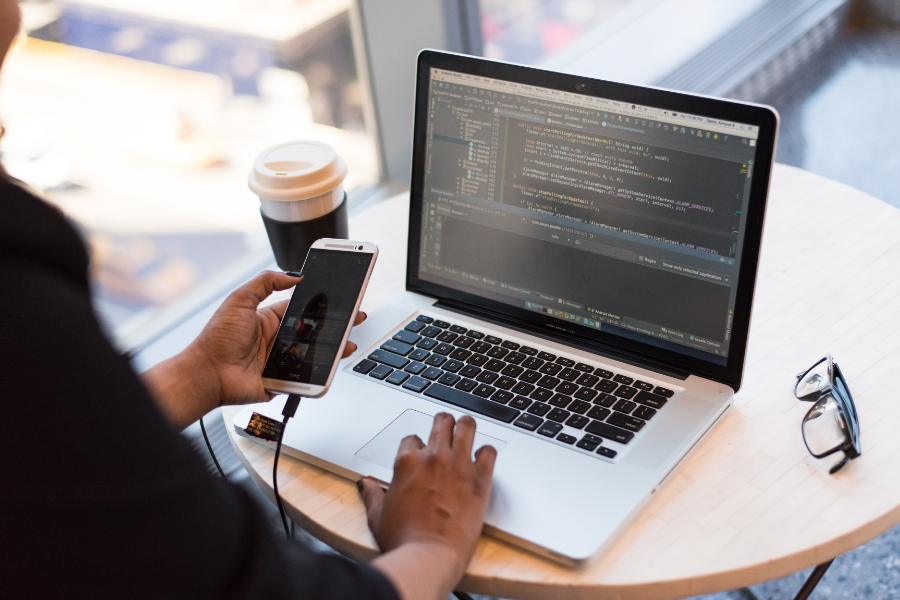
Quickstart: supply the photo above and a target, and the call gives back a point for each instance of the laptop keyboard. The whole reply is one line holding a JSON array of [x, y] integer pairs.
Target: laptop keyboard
[[575, 403]]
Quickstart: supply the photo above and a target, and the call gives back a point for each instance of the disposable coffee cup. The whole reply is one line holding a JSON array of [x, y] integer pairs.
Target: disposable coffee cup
[[300, 186]]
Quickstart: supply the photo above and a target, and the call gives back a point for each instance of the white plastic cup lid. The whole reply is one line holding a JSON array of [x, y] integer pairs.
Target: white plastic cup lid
[[295, 171]]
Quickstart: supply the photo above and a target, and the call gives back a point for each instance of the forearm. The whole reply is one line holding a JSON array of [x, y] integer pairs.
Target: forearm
[[185, 387], [421, 571]]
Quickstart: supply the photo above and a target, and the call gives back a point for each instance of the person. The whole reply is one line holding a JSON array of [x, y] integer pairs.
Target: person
[[103, 498]]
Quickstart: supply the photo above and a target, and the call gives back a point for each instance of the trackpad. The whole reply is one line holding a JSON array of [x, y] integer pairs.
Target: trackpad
[[382, 449]]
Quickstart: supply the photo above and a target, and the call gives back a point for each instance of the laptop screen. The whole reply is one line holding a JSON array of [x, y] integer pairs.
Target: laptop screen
[[609, 216]]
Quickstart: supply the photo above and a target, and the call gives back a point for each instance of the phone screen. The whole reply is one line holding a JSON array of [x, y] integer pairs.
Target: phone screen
[[317, 316]]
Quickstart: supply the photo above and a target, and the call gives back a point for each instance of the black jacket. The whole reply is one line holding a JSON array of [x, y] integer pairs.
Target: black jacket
[[99, 496]]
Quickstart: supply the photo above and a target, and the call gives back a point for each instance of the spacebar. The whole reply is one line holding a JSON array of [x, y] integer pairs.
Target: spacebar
[[472, 402]]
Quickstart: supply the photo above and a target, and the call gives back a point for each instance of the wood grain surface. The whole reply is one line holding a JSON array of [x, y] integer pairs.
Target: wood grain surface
[[749, 504]]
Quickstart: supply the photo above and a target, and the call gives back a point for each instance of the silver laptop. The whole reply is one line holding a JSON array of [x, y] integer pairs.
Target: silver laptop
[[582, 259]]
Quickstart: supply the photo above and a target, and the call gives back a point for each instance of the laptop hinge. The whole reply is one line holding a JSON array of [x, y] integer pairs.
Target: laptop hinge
[[500, 318]]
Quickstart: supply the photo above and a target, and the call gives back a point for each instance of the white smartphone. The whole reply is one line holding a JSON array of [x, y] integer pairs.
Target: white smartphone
[[319, 317]]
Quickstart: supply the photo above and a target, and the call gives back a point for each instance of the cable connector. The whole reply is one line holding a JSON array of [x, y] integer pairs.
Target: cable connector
[[290, 407]]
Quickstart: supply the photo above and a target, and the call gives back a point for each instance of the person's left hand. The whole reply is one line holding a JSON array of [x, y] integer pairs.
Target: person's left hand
[[235, 343]]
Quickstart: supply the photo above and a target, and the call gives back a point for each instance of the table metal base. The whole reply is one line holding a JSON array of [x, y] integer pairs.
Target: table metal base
[[811, 582]]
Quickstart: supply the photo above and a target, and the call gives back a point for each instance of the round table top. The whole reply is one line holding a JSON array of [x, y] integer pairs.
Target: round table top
[[749, 504]]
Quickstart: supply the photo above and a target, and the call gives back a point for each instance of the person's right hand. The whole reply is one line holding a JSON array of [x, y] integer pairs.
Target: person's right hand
[[438, 494]]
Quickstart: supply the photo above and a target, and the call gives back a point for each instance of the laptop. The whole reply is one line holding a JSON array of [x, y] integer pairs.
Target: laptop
[[580, 274]]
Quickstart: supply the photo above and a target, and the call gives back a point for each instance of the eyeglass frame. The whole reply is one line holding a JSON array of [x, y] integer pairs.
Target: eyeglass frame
[[850, 426]]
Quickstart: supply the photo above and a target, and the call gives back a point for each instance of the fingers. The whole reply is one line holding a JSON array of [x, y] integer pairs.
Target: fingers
[[261, 287], [349, 349], [410, 443], [278, 308], [441, 431], [360, 317], [485, 458], [373, 498], [464, 437]]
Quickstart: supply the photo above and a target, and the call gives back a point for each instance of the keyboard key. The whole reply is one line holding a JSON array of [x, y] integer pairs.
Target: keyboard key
[[397, 377], [528, 350], [626, 422], [512, 371], [577, 421], [415, 326], [587, 380], [567, 388], [565, 438], [586, 394], [415, 368], [487, 377], [607, 452], [610, 432], [494, 365], [584, 367], [416, 384], [398, 362], [458, 329], [541, 394], [457, 397], [520, 402], [432, 373], [427, 344], [430, 332], [497, 352], [510, 345], [644, 412], [466, 385], [558, 414], [505, 383], [407, 337], [624, 406], [643, 385], [424, 319], [475, 334], [480, 347], [477, 359], [603, 373], [665, 392], [447, 336], [452, 365], [449, 379], [538, 408], [528, 422], [380, 372], [599, 413], [593, 438], [569, 374], [587, 444], [470, 371], [515, 357], [435, 360], [606, 385], [566, 362], [605, 400], [550, 369], [550, 429], [560, 400], [548, 382], [530, 377], [651, 400], [502, 397], [396, 347], [418, 354], [443, 349], [625, 392], [464, 342], [484, 390], [579, 406], [364, 366], [532, 363], [442, 324], [460, 354], [546, 356], [493, 339], [523, 388], [623, 379]]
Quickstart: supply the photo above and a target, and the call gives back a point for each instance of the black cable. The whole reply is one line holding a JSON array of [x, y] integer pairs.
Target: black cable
[[209, 447], [290, 408]]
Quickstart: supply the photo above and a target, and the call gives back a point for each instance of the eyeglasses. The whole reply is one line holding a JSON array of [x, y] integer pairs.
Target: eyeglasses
[[831, 425]]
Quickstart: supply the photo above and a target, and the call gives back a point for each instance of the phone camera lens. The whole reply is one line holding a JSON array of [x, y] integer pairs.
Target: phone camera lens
[[359, 247]]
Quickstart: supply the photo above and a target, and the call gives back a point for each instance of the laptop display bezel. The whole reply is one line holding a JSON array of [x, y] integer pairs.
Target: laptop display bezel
[[763, 117]]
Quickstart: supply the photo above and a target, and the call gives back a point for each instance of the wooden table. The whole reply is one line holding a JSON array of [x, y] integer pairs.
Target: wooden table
[[749, 504]]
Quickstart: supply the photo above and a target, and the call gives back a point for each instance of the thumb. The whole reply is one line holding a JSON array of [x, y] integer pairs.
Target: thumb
[[373, 498]]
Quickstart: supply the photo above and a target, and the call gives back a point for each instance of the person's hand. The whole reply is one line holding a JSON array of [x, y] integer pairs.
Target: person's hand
[[235, 343], [438, 494]]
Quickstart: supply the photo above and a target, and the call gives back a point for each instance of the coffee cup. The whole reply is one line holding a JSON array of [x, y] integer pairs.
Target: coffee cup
[[300, 186]]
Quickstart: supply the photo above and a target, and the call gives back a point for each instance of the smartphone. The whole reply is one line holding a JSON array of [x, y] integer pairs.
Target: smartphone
[[318, 319]]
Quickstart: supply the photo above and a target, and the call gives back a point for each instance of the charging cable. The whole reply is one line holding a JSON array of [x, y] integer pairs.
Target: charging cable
[[290, 408], [209, 447]]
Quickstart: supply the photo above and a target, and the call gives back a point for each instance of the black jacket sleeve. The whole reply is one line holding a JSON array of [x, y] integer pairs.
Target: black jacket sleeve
[[99, 496]]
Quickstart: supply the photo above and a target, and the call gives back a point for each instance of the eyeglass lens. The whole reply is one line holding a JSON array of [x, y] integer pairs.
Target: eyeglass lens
[[824, 428], [813, 381]]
